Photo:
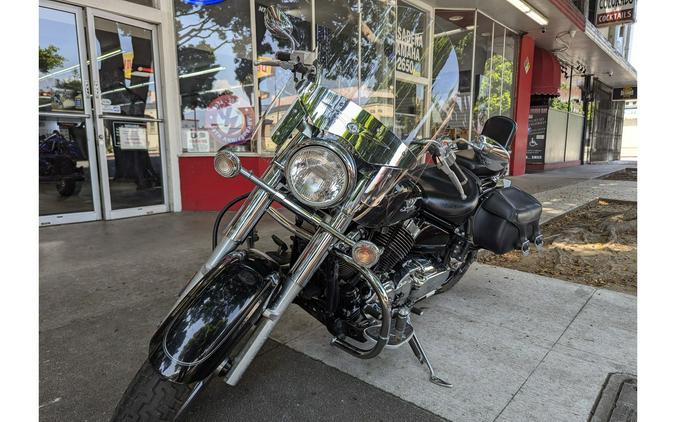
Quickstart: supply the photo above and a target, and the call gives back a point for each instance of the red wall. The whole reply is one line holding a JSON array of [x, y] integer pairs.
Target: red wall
[[202, 189], [522, 114]]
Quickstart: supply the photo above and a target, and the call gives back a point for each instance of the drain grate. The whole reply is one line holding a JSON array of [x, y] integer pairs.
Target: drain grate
[[617, 401]]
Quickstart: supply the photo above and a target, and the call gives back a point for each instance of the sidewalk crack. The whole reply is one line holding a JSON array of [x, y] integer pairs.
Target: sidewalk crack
[[545, 355]]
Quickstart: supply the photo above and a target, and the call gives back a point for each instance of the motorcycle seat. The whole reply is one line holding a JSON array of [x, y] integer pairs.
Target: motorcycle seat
[[480, 165], [441, 199]]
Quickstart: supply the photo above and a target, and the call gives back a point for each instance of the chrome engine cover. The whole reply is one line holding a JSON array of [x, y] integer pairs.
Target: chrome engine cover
[[418, 278]]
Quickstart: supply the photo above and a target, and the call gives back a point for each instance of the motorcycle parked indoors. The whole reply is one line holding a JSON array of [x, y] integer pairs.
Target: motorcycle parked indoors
[[382, 222]]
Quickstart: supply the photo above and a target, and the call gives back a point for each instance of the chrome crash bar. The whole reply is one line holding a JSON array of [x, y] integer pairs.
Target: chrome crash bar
[[320, 243]]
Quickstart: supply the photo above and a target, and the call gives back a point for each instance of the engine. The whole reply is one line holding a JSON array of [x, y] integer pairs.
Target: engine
[[408, 277]]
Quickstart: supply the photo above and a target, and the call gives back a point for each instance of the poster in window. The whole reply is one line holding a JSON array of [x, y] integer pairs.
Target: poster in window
[[410, 40], [198, 140], [536, 134], [130, 136]]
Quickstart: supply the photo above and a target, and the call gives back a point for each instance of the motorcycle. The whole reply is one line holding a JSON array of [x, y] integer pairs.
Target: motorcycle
[[58, 159], [382, 222]]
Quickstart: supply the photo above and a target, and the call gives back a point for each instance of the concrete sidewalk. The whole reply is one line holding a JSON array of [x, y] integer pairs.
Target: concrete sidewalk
[[553, 179], [516, 347]]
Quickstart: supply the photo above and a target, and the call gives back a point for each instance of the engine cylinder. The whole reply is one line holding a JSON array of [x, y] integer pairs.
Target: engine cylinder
[[396, 243]]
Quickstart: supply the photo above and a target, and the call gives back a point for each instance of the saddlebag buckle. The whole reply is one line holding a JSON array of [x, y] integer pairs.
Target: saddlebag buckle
[[539, 242]]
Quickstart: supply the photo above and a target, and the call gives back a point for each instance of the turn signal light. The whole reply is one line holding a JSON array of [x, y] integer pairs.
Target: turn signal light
[[365, 253], [226, 163]]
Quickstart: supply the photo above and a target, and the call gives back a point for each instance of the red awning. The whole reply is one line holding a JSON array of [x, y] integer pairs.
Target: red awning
[[545, 73]]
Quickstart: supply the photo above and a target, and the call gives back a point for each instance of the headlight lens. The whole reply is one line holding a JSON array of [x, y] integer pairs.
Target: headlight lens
[[317, 176]]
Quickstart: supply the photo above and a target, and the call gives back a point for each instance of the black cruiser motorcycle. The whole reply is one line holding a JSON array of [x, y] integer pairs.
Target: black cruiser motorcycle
[[381, 223]]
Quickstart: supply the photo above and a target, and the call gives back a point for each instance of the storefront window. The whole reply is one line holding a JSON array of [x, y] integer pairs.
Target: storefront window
[[412, 75], [453, 34], [272, 79], [486, 68], [508, 74], [337, 41], [60, 80], [379, 58], [378, 44], [215, 71]]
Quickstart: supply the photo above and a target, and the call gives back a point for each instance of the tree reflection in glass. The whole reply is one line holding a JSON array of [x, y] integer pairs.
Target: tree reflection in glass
[[215, 74], [60, 81]]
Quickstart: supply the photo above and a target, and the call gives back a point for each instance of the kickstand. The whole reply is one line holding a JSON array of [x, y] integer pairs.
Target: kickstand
[[417, 349]]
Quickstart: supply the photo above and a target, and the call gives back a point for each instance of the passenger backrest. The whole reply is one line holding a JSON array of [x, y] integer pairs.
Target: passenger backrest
[[500, 128]]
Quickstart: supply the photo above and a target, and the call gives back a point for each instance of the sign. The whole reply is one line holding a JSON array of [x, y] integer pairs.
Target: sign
[[410, 38], [109, 108], [197, 140], [526, 65], [264, 71], [130, 136], [624, 94], [231, 121], [536, 134], [612, 12], [127, 61]]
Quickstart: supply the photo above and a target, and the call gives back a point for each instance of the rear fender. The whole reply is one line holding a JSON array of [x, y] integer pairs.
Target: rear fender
[[209, 321]]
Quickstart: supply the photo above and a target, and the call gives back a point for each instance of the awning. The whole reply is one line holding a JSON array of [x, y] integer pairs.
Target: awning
[[545, 73]]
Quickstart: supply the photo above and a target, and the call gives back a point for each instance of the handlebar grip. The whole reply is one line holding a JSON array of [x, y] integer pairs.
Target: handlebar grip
[[283, 56]]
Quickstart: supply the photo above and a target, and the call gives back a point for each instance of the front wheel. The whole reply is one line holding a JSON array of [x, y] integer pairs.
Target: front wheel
[[150, 397]]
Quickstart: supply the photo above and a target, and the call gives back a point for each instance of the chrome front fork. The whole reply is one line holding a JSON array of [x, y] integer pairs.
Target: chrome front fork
[[312, 256], [244, 221]]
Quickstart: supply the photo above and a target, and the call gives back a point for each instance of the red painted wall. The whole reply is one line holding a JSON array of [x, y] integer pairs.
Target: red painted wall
[[522, 113], [202, 189]]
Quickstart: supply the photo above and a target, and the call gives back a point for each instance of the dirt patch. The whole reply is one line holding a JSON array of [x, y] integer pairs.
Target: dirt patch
[[629, 174], [594, 245]]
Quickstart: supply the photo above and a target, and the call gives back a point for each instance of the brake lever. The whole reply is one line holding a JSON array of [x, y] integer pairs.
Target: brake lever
[[445, 161]]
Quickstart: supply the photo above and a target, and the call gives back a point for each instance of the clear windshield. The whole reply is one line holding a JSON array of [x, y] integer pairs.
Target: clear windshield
[[378, 64]]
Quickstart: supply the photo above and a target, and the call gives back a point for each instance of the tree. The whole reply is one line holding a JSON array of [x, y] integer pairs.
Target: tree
[[49, 58], [495, 88]]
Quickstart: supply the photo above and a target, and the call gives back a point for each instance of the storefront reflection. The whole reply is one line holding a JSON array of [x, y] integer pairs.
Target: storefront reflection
[[65, 180], [134, 164], [215, 71]]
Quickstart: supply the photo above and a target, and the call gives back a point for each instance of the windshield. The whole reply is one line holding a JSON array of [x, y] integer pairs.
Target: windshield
[[363, 94]]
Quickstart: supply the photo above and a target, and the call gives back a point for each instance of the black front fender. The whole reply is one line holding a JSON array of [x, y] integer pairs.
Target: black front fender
[[206, 325]]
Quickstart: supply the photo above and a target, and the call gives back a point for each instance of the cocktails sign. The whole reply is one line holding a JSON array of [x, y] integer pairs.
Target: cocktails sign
[[613, 12]]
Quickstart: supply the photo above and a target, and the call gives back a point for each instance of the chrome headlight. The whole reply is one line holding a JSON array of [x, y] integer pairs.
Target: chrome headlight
[[319, 176]]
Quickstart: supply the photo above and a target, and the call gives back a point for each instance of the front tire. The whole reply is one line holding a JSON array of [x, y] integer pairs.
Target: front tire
[[150, 397]]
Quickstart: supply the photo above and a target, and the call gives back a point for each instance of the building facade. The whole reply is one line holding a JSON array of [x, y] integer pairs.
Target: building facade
[[137, 96]]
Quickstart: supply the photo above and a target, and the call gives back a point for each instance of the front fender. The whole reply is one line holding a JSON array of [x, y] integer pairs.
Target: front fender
[[205, 326]]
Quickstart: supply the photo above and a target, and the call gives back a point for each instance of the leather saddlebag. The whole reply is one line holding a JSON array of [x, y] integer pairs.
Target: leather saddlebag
[[507, 219]]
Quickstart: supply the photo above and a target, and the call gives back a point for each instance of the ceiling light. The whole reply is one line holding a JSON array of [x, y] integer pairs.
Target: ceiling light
[[529, 11], [455, 18]]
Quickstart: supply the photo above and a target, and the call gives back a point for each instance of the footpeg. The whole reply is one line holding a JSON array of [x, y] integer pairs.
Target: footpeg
[[417, 349], [400, 333]]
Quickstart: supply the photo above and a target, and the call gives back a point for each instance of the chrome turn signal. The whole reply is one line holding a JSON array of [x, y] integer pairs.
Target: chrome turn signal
[[365, 253], [226, 163]]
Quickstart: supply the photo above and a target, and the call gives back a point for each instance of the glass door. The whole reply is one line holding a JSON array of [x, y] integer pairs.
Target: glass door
[[128, 115], [68, 181]]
